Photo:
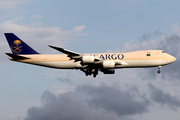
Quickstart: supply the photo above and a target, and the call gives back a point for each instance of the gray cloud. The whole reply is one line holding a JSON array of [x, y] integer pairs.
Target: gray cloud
[[65, 80], [90, 103], [148, 36], [162, 98], [170, 44], [114, 100], [110, 102]]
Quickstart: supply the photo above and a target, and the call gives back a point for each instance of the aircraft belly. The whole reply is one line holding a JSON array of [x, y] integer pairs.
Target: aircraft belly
[[145, 63], [77, 65], [56, 64]]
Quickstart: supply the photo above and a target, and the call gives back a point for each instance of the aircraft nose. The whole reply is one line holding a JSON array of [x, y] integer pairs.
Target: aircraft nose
[[173, 58]]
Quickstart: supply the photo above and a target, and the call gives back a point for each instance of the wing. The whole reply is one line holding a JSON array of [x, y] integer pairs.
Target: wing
[[91, 64], [73, 55], [65, 51]]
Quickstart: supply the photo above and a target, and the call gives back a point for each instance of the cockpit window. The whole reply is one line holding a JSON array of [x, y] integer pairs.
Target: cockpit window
[[163, 51]]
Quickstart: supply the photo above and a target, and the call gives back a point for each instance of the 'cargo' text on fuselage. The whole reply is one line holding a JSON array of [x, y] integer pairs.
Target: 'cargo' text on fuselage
[[109, 56]]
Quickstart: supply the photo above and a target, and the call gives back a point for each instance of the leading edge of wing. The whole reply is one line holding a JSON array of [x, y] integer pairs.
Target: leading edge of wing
[[74, 55], [65, 51]]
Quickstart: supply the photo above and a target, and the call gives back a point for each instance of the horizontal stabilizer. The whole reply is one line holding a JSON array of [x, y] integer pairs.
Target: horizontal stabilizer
[[17, 57]]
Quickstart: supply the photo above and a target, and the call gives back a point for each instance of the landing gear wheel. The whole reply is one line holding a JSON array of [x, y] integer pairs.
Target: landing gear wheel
[[94, 75], [158, 71], [86, 73]]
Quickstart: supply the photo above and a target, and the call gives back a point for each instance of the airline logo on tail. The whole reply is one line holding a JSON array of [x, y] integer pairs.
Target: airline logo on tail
[[16, 46]]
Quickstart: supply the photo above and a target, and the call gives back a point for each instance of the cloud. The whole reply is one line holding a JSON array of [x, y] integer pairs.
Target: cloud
[[103, 101], [78, 29], [36, 16], [6, 4], [114, 100], [90, 103], [145, 43], [65, 80], [34, 36], [170, 44], [42, 33], [158, 96], [124, 103], [12, 112], [148, 36]]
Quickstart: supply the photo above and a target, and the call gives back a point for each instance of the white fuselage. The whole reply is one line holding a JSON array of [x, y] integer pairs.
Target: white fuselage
[[147, 58]]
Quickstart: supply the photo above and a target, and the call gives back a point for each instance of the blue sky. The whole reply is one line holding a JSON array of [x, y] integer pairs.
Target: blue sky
[[89, 26], [113, 22]]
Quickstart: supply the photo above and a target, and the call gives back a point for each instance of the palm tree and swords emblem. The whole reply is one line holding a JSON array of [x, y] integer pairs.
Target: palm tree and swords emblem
[[15, 47]]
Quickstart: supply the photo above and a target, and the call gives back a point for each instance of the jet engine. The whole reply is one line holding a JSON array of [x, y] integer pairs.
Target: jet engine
[[88, 59], [108, 64], [108, 71]]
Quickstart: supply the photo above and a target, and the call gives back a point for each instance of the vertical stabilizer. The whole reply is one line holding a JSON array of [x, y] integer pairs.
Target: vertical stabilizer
[[17, 46]]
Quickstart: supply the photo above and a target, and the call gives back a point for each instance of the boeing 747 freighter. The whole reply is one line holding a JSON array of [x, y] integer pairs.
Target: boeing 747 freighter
[[89, 63]]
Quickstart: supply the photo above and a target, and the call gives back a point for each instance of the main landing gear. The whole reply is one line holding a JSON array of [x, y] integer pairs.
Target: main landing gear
[[95, 72], [91, 71], [159, 71]]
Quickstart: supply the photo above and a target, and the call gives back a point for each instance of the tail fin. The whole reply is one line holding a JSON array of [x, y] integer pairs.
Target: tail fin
[[18, 46]]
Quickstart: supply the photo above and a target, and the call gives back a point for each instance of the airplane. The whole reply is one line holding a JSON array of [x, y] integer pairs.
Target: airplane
[[89, 63]]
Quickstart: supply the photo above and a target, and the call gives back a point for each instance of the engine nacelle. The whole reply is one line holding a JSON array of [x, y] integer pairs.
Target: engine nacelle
[[108, 64], [108, 71], [88, 59]]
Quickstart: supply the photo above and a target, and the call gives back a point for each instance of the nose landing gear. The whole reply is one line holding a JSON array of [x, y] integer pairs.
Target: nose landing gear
[[159, 71]]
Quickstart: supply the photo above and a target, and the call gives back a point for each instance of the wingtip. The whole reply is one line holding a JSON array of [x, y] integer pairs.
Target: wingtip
[[51, 46], [54, 47]]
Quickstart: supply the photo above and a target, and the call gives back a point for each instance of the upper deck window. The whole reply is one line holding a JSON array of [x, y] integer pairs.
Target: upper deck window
[[163, 52]]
